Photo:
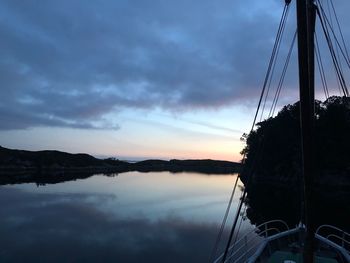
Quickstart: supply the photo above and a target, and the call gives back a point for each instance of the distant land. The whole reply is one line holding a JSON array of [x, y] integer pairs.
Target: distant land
[[48, 166]]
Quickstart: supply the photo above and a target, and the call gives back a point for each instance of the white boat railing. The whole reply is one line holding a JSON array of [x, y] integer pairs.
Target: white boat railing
[[245, 246], [250, 246], [334, 234]]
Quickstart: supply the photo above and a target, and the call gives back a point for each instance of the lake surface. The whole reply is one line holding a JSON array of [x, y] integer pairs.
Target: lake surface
[[130, 217]]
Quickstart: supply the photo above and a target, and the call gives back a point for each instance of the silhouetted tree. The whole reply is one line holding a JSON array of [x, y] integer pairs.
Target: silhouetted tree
[[273, 150], [273, 163]]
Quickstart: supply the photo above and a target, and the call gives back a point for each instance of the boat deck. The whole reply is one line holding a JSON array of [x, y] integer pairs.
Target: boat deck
[[290, 257], [289, 249]]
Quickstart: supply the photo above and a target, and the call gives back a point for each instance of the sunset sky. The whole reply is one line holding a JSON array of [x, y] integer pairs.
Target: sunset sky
[[139, 79]]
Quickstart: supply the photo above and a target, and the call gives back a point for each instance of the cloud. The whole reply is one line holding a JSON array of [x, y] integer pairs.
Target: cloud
[[70, 63]]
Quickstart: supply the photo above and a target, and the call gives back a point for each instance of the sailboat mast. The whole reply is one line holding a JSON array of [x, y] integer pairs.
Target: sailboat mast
[[306, 15]]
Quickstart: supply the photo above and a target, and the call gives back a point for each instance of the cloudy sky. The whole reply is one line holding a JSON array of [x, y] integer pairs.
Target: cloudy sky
[[137, 79]]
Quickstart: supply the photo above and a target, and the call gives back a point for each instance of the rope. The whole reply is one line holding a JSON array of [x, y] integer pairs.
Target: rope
[[270, 64], [320, 68], [341, 33], [329, 22], [331, 25], [268, 73], [281, 81], [234, 225], [328, 40], [240, 224], [215, 249], [333, 55], [274, 63]]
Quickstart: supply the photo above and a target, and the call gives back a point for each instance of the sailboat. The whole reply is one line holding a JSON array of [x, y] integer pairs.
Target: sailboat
[[306, 242]]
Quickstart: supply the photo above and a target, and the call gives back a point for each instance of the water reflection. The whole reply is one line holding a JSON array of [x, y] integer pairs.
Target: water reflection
[[134, 217], [266, 202]]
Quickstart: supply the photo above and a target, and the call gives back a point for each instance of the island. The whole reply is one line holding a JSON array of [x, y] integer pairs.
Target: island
[[20, 166]]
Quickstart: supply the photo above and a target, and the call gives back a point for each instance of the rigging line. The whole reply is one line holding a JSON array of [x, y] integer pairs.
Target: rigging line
[[268, 70], [321, 63], [234, 243], [340, 31], [335, 70], [256, 160], [242, 198], [234, 226], [337, 79], [274, 54], [215, 249], [337, 47], [330, 24], [281, 81], [334, 58], [239, 228], [252, 128], [240, 223], [321, 74], [283, 76], [320, 68], [330, 46], [274, 63]]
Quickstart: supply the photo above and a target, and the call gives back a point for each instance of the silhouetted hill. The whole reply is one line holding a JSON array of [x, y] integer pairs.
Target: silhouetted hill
[[22, 158], [16, 160], [56, 166]]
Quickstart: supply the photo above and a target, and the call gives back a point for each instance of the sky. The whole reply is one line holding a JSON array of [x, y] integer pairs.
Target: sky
[[139, 79]]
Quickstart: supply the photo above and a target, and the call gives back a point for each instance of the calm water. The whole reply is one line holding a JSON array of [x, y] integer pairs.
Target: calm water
[[131, 217]]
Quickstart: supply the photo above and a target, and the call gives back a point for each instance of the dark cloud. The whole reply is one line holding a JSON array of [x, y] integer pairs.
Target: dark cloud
[[70, 63], [68, 228]]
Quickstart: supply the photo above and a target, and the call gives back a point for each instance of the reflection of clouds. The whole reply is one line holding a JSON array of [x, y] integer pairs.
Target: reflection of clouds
[[50, 228]]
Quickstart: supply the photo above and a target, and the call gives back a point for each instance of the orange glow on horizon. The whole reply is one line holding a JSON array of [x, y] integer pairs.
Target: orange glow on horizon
[[218, 153]]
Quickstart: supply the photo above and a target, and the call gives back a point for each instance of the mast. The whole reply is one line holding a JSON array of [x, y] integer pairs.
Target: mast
[[306, 16]]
